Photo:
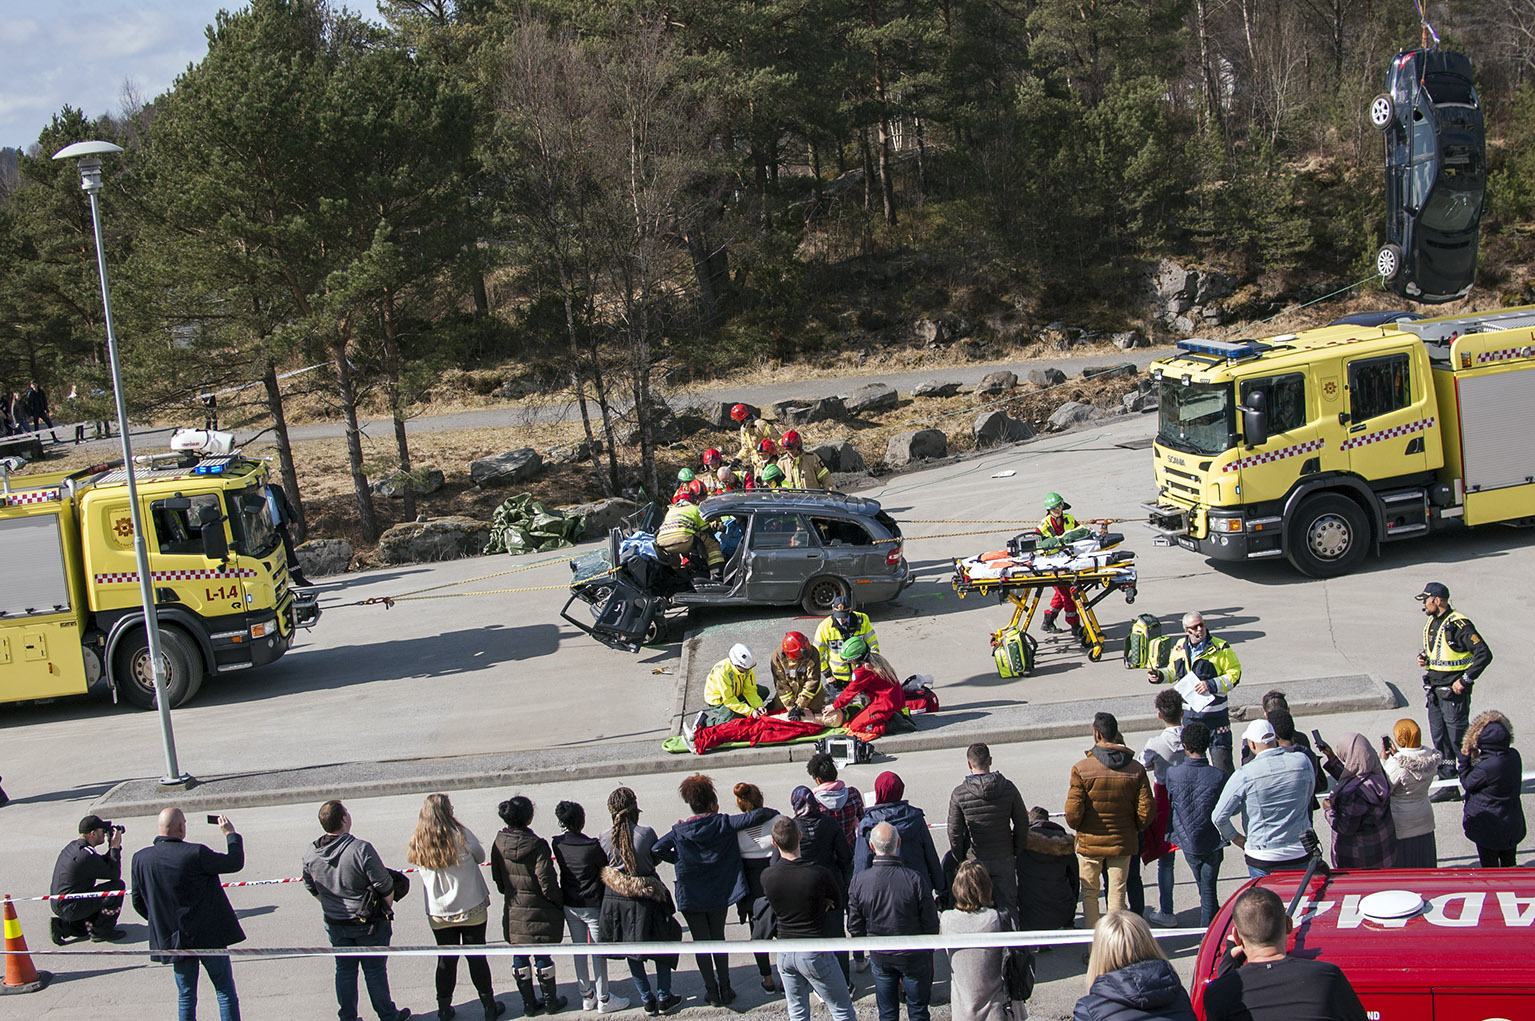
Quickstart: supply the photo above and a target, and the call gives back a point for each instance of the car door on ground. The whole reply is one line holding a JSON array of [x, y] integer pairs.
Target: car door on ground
[[781, 554]]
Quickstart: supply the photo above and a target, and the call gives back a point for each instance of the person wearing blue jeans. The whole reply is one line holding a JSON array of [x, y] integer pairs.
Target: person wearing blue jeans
[[802, 973], [908, 975], [890, 898], [802, 894], [1193, 788], [375, 970], [1272, 793], [220, 973]]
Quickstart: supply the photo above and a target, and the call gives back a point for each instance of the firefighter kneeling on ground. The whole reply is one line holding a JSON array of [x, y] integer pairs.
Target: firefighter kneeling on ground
[[843, 624], [801, 470], [797, 676], [874, 685], [684, 531], [732, 690]]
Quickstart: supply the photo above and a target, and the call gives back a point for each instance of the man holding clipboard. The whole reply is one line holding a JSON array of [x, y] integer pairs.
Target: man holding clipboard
[[1204, 669]]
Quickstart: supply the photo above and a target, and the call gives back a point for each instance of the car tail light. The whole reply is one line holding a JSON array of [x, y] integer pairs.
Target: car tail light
[[894, 556]]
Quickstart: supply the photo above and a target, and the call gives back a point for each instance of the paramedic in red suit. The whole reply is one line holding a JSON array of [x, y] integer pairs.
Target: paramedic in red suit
[[875, 683], [1055, 524]]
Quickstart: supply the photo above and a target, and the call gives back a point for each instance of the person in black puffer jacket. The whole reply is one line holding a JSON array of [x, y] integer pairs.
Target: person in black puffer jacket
[[1128, 978], [523, 869], [1047, 870], [1490, 773], [989, 823]]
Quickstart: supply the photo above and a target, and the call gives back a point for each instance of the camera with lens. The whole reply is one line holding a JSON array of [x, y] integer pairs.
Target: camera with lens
[[112, 828]]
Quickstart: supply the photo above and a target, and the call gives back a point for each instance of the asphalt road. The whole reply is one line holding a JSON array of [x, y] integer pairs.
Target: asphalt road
[[500, 672]]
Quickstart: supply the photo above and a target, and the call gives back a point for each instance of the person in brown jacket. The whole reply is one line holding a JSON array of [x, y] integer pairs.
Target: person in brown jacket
[[523, 868], [1109, 804], [797, 676]]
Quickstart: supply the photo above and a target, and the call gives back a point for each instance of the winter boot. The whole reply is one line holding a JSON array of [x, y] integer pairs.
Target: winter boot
[[531, 1007], [445, 1009], [1050, 622], [553, 1001], [493, 1007]]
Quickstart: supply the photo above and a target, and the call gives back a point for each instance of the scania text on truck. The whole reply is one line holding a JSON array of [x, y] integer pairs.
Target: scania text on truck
[[1321, 446], [71, 613]]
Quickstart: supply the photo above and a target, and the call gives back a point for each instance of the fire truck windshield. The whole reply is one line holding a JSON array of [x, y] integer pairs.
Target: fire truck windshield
[[1195, 418], [257, 525]]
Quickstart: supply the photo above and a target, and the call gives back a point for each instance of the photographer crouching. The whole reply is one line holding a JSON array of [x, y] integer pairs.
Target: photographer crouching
[[81, 870]]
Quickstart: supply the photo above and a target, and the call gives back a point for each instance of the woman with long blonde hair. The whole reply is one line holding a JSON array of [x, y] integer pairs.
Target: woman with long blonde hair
[[1128, 976], [457, 899]]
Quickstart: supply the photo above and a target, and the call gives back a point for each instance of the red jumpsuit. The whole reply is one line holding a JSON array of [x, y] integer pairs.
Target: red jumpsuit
[[1061, 600], [885, 700]]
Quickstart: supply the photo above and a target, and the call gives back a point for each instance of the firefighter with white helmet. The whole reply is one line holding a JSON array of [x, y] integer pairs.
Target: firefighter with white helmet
[[732, 685]]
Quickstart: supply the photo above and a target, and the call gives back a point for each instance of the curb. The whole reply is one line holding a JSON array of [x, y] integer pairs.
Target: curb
[[1311, 697]]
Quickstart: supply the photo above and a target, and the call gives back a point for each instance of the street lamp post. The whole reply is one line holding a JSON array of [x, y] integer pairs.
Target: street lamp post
[[89, 154]]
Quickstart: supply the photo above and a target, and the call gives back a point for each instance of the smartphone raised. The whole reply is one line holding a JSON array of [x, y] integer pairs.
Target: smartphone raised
[[1387, 745], [213, 820], [1316, 737]]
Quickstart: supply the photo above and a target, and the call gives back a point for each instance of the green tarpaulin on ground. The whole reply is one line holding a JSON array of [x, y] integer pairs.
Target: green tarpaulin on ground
[[523, 525]]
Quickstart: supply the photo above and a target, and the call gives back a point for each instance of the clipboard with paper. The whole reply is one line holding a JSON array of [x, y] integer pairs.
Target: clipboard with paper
[[1188, 687]]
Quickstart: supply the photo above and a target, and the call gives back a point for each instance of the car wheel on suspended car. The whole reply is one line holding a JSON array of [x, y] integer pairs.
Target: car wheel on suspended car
[[1382, 110], [1388, 261]]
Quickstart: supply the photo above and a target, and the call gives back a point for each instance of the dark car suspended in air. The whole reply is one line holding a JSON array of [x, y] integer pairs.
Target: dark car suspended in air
[[1436, 175]]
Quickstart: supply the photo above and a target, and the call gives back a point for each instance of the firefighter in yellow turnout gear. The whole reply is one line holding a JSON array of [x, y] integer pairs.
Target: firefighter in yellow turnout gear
[[844, 623], [753, 432], [684, 531], [801, 470]]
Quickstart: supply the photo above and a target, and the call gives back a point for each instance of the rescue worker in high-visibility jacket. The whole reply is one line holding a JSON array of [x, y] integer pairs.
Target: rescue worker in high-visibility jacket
[[801, 470], [685, 533], [732, 686], [1214, 662], [844, 623], [753, 432], [1055, 524], [1453, 655]]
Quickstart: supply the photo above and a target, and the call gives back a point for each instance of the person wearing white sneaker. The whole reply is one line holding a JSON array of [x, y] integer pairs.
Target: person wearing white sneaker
[[581, 860]]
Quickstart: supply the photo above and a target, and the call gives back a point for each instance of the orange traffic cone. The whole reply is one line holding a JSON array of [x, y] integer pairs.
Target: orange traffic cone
[[20, 975]]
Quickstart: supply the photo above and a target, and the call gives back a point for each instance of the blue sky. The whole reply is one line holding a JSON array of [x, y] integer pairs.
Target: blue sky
[[80, 52]]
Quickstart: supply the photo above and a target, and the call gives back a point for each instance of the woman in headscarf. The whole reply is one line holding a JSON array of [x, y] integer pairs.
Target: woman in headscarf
[[823, 840], [637, 907], [917, 848], [1411, 768], [1359, 810]]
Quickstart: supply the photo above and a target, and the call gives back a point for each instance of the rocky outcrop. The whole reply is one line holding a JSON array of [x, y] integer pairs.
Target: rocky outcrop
[[1181, 297], [916, 445], [872, 397], [996, 426], [601, 516], [320, 557], [422, 483], [804, 410], [1129, 340], [994, 383], [416, 542], [506, 469]]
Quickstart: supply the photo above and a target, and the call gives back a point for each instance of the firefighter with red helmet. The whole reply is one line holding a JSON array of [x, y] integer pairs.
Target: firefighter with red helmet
[[801, 470], [797, 676], [765, 455], [753, 432], [685, 533]]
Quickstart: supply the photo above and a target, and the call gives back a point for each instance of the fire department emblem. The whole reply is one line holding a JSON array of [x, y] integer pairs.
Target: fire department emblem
[[123, 527], [1330, 389]]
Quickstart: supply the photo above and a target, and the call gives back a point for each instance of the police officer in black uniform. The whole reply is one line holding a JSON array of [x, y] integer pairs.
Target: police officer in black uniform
[[1454, 656], [81, 870]]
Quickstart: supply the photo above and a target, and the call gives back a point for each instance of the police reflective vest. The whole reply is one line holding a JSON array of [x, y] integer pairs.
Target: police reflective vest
[[733, 688], [683, 527], [803, 471], [828, 642], [752, 434], [1441, 657]]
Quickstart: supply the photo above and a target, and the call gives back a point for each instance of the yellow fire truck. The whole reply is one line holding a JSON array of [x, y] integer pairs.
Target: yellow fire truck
[[1322, 445], [70, 608]]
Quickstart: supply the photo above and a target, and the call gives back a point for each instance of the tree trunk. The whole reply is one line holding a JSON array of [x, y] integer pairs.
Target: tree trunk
[[397, 402], [347, 391], [698, 251], [578, 383], [481, 298], [284, 451], [868, 170]]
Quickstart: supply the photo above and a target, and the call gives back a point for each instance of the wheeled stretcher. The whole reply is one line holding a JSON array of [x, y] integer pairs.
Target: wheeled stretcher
[[1033, 564]]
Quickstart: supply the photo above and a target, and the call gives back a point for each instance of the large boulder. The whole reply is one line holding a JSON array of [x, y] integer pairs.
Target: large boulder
[[930, 331], [1130, 339], [416, 542], [422, 483], [1108, 371], [716, 413], [1172, 287], [1047, 377], [997, 426], [320, 557], [601, 516], [805, 410], [994, 383], [1140, 401], [1069, 414], [664, 426], [916, 445], [506, 469], [872, 397], [840, 456], [933, 388], [572, 453]]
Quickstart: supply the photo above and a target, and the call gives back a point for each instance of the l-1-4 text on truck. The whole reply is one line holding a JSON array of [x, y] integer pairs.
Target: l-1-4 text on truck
[[1322, 445], [71, 613]]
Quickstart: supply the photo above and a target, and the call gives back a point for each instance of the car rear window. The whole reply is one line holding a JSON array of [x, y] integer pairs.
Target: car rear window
[[779, 531], [841, 532]]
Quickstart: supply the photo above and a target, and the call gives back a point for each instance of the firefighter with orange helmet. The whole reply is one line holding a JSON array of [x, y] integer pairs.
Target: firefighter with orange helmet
[[685, 533], [753, 432], [801, 470], [797, 676]]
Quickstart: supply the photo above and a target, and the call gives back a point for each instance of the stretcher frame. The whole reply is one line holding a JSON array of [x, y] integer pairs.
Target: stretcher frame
[[1025, 592]]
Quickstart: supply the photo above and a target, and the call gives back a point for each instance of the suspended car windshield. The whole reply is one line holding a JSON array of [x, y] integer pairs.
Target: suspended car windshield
[[1196, 418]]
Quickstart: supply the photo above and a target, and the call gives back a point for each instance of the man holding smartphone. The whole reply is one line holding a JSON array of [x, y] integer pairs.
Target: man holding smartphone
[[1454, 656]]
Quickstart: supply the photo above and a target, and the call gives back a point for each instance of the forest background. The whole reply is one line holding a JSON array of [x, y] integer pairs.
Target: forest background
[[586, 198]]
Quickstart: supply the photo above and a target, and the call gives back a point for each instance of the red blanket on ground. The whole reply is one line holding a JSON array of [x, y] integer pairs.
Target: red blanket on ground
[[766, 729]]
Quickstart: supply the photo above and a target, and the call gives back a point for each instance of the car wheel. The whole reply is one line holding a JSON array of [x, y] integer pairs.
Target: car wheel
[[135, 676], [1388, 261], [1327, 537], [1382, 109], [821, 593], [656, 634]]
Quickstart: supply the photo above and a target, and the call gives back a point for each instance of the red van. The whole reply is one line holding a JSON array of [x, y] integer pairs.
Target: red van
[[1433, 945]]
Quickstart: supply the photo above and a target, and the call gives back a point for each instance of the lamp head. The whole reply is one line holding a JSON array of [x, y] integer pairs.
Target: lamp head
[[89, 154]]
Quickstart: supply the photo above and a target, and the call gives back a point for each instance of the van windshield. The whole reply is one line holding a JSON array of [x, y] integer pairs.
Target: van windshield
[[258, 523], [1197, 418]]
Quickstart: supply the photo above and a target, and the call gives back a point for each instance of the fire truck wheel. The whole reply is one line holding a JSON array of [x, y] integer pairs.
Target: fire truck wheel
[[135, 677], [1328, 536]]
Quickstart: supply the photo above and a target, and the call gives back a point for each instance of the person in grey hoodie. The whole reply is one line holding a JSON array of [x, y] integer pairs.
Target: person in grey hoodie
[[356, 894], [989, 823]]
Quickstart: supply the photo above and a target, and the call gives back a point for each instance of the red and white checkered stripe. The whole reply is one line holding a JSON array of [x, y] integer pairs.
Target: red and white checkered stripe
[[33, 496], [1504, 354], [1387, 434], [1275, 455], [201, 574]]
